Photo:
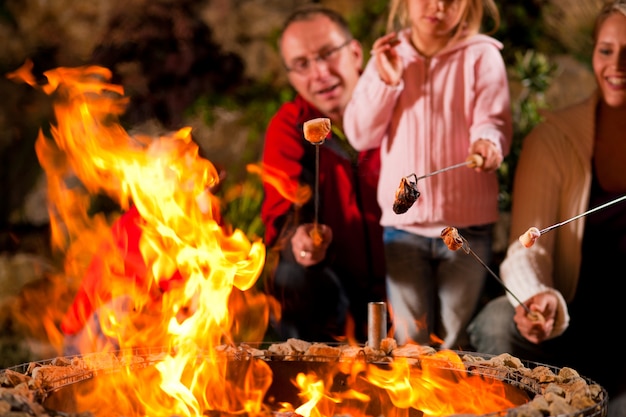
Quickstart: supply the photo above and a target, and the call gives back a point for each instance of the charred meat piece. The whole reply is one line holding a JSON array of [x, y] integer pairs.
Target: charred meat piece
[[406, 195], [451, 238]]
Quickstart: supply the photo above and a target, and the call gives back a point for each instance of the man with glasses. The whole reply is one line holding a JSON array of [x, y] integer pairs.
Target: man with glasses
[[323, 288]]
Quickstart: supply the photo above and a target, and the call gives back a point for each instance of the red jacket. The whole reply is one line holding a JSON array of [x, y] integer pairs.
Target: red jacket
[[103, 277], [347, 192]]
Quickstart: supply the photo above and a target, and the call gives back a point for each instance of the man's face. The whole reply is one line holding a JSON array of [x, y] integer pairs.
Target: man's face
[[323, 64]]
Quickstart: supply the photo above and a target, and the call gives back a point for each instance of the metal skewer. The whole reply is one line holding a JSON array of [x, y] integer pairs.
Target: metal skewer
[[532, 234], [474, 160], [407, 193], [600, 207], [464, 244], [467, 249], [462, 164], [315, 131], [315, 233]]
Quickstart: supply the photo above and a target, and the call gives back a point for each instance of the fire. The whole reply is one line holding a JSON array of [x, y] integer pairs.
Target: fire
[[187, 268], [296, 193], [169, 273], [440, 386]]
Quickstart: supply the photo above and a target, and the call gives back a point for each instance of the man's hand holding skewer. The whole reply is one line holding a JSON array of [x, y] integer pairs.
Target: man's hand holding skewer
[[537, 327], [306, 250]]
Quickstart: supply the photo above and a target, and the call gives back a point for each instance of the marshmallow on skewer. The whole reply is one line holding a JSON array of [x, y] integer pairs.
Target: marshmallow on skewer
[[316, 130], [475, 161], [528, 239]]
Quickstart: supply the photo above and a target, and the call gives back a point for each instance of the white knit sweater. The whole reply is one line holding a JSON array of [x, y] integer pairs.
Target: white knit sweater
[[552, 184]]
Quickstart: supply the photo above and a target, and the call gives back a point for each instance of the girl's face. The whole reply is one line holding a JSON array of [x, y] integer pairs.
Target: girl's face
[[434, 18], [609, 60]]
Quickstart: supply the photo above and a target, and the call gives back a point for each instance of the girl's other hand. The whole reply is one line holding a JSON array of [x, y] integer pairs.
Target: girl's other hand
[[388, 63]]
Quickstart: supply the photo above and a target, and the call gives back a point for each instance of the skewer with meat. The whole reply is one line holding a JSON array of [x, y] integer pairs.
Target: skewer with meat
[[407, 192], [451, 238], [454, 241]]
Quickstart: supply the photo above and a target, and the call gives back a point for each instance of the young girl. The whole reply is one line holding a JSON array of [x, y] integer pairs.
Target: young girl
[[429, 101]]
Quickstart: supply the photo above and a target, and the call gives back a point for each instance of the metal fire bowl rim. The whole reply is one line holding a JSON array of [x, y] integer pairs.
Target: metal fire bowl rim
[[153, 355]]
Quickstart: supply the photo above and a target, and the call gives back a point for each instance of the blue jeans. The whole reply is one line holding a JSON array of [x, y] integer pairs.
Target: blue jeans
[[433, 290]]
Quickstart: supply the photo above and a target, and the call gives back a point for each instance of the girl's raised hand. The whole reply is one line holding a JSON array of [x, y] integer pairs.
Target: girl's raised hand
[[388, 63]]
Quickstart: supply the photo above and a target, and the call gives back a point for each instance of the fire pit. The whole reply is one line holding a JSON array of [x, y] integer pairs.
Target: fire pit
[[60, 386]]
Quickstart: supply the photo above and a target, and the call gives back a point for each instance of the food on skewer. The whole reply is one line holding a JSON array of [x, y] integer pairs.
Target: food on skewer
[[531, 235], [451, 238], [406, 195], [475, 161], [407, 192], [528, 239], [316, 235], [316, 130], [455, 241]]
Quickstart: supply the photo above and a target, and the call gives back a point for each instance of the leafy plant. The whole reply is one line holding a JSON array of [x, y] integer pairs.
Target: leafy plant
[[242, 205], [534, 73]]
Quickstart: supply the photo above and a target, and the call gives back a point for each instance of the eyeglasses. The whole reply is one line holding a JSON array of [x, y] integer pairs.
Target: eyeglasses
[[303, 65]]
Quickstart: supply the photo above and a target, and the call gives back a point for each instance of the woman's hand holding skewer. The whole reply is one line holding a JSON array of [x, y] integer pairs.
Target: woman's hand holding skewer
[[537, 326], [310, 248]]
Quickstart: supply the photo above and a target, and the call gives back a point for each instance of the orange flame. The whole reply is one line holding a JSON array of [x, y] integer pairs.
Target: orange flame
[[296, 193], [440, 386]]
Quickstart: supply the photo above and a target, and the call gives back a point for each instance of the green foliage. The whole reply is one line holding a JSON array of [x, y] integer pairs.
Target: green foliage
[[522, 28], [241, 206], [534, 72], [369, 22], [241, 193]]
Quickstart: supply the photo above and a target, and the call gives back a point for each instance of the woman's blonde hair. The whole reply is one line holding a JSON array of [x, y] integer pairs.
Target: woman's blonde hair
[[472, 12], [610, 7]]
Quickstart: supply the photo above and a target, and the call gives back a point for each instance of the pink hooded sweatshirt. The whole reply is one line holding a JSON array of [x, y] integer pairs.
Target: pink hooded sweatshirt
[[426, 123]]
